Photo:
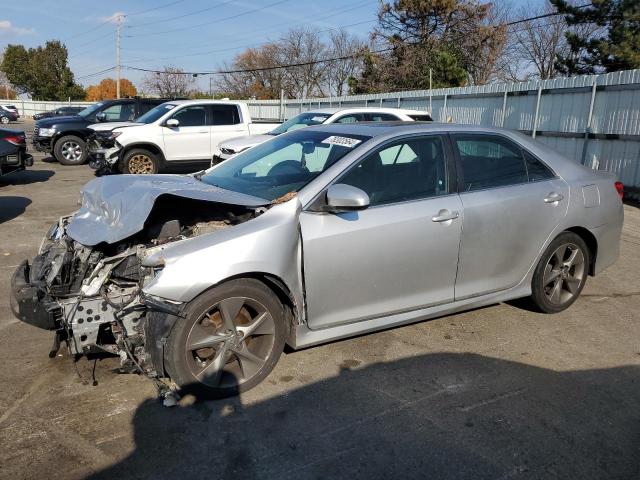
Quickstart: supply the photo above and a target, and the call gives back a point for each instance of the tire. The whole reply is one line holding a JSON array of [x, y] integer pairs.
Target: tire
[[4, 120], [140, 162], [70, 150], [561, 273], [202, 342]]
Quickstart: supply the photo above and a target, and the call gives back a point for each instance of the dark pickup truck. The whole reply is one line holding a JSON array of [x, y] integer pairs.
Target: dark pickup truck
[[13, 151], [66, 137]]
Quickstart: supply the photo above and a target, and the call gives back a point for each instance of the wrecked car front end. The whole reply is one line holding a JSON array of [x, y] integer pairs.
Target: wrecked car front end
[[86, 284], [104, 151]]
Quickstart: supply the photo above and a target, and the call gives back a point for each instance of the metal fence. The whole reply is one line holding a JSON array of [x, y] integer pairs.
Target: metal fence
[[28, 108], [593, 119]]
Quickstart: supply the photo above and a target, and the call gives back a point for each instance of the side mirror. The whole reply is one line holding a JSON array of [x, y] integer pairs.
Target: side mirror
[[101, 117], [172, 123], [342, 197]]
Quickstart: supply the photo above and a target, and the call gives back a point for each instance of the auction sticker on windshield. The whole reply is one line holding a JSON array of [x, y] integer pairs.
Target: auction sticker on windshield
[[344, 141]]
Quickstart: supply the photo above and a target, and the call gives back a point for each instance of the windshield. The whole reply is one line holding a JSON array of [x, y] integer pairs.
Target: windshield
[[282, 165], [90, 110], [300, 121], [155, 113]]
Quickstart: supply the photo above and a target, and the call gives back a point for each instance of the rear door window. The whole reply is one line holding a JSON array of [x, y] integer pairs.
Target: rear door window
[[381, 117], [489, 162], [224, 114]]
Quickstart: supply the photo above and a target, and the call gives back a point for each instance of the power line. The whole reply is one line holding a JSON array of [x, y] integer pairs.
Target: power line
[[212, 21], [154, 8], [218, 5], [96, 73]]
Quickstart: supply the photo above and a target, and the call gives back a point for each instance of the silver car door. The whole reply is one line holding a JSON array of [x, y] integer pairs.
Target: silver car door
[[512, 203], [399, 254]]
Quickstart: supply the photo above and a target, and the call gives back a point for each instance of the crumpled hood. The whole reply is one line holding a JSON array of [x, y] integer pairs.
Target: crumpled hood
[[116, 207], [238, 144], [107, 126]]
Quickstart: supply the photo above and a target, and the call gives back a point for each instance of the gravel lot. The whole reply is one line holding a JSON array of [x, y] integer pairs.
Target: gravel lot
[[497, 392]]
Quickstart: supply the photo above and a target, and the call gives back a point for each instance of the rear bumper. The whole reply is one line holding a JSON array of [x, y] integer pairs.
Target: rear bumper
[[15, 163], [28, 301], [608, 239]]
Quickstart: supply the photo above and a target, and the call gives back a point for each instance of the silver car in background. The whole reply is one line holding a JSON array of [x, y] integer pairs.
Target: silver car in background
[[318, 234]]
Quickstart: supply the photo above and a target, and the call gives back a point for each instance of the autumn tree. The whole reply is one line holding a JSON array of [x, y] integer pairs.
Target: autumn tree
[[459, 41], [41, 72], [107, 89], [616, 46], [171, 82]]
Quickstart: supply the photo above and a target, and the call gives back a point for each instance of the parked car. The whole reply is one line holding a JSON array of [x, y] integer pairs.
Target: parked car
[[316, 235], [65, 137], [316, 117], [180, 134], [13, 151], [8, 113], [59, 112]]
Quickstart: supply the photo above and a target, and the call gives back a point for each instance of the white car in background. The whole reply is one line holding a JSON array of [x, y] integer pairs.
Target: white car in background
[[316, 117]]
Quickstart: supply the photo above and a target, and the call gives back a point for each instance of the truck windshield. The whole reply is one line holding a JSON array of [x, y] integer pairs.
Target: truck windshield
[[282, 165], [90, 110], [300, 121], [155, 113]]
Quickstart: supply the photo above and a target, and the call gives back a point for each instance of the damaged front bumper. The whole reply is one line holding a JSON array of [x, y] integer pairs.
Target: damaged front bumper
[[104, 152], [28, 302]]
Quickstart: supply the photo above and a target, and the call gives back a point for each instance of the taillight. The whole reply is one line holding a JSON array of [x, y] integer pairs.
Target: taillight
[[16, 139], [620, 189]]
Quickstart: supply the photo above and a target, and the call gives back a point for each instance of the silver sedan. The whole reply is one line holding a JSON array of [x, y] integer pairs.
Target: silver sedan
[[316, 235]]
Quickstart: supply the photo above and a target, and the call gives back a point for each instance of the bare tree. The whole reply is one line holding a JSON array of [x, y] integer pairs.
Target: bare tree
[[349, 49], [304, 46], [171, 82]]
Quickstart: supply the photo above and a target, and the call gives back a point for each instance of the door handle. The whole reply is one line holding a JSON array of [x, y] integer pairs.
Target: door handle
[[445, 215], [553, 197]]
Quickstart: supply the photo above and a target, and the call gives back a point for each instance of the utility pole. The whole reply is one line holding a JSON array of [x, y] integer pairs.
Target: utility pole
[[118, 56]]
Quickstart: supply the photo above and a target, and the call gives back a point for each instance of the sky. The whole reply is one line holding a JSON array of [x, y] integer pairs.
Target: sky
[[195, 35]]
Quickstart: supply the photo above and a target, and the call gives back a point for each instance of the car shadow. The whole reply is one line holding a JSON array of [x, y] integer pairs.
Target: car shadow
[[25, 177], [12, 207], [50, 159], [439, 416]]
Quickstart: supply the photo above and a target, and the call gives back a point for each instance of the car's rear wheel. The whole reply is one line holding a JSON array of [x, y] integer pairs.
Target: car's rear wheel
[[561, 273], [70, 150], [229, 342], [140, 162]]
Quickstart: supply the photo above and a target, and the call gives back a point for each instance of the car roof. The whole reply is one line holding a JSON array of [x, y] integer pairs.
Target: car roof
[[378, 129], [334, 110], [200, 102]]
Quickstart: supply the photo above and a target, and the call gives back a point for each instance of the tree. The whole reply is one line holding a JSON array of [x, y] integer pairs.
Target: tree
[[41, 72], [171, 82], [349, 49], [107, 89], [263, 73], [616, 46], [459, 41], [6, 89]]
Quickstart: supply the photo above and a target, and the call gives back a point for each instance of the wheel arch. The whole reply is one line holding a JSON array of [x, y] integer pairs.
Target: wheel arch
[[592, 244], [69, 133]]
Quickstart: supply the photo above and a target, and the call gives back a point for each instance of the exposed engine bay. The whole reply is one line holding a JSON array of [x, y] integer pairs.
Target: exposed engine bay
[[91, 296]]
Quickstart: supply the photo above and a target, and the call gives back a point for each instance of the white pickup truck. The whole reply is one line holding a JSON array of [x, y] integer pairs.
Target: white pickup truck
[[178, 134]]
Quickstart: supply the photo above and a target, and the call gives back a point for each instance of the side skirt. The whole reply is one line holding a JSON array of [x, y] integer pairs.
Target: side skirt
[[304, 337]]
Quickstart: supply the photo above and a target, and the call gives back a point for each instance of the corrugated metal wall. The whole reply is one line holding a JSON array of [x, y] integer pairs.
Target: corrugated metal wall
[[609, 140]]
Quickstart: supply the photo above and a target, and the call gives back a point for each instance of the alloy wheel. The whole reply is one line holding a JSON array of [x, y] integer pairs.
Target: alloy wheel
[[140, 164], [4, 120], [71, 151], [230, 343], [563, 274]]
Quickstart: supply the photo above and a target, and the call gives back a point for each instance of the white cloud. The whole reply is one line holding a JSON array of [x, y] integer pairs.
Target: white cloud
[[113, 18], [7, 28]]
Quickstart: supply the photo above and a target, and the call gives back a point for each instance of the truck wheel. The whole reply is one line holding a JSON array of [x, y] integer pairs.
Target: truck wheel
[[140, 162], [229, 341], [70, 150]]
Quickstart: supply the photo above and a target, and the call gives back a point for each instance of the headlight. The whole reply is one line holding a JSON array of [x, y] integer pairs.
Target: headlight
[[46, 132], [115, 135]]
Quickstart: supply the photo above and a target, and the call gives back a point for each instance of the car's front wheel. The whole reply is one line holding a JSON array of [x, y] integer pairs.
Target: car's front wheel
[[230, 340], [561, 273], [70, 150], [4, 120], [140, 162]]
